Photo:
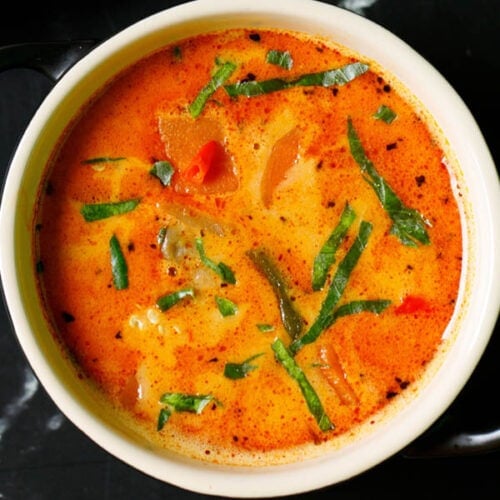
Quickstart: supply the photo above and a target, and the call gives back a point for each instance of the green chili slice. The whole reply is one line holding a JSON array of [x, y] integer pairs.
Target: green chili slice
[[313, 402], [338, 76], [98, 211], [170, 299], [291, 319], [119, 268], [223, 72], [223, 270], [164, 171], [236, 371], [408, 224], [385, 114], [326, 256], [336, 288]]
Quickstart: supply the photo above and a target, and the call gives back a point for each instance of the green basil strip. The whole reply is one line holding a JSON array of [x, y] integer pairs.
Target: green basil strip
[[167, 301], [119, 268], [176, 401], [224, 71], [102, 159], [359, 306], [280, 58], [223, 270], [291, 319], [164, 171], [408, 223], [313, 402], [336, 288], [385, 114], [163, 418], [98, 211], [226, 306], [265, 327], [339, 76], [236, 371], [326, 256]]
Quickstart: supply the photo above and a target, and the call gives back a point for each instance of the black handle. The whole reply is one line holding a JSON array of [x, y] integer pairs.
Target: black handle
[[52, 59]]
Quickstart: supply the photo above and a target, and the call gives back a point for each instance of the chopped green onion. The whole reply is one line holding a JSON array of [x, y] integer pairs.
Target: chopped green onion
[[291, 319], [102, 159], [169, 300], [338, 76], [98, 211], [385, 114], [408, 223], [280, 58], [223, 270], [119, 268], [336, 289], [220, 76], [226, 306], [236, 371], [313, 402], [326, 256], [164, 171]]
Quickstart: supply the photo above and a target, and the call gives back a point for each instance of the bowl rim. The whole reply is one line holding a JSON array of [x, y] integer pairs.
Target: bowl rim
[[316, 473]]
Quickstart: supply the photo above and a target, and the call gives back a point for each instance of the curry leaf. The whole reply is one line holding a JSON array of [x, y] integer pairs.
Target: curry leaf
[[169, 300], [236, 371], [119, 268], [98, 211], [223, 270]]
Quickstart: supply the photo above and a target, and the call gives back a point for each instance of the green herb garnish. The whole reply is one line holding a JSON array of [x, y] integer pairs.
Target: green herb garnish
[[313, 402], [98, 211], [164, 171], [339, 76], [226, 306], [236, 371], [102, 159], [223, 72], [167, 301], [385, 114], [119, 268], [326, 256], [265, 328], [178, 402], [336, 288], [223, 270], [291, 319], [280, 58], [408, 223]]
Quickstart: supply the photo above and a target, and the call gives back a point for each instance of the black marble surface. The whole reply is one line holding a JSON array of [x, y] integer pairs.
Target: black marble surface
[[44, 457]]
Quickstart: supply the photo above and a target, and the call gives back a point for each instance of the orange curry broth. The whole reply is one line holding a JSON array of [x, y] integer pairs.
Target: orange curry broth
[[135, 353]]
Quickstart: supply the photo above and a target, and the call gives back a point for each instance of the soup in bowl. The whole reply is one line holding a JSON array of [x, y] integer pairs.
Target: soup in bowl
[[251, 252]]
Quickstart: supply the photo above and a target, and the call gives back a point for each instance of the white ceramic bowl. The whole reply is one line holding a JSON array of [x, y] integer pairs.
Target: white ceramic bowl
[[479, 301]]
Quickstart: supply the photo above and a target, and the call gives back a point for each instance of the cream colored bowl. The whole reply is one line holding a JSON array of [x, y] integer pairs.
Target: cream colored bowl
[[479, 299]]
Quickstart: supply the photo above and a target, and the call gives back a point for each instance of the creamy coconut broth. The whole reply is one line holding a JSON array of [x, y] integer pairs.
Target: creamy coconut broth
[[249, 243]]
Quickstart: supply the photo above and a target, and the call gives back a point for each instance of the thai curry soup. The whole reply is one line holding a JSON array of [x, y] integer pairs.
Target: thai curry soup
[[249, 242]]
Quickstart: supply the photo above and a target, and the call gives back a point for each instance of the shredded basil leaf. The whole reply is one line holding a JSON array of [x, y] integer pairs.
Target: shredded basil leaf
[[385, 114], [224, 71], [236, 371], [326, 256], [164, 171], [336, 288], [265, 328], [280, 58], [163, 418], [313, 402], [226, 306], [408, 223], [291, 319], [338, 76], [119, 268], [223, 270], [98, 211], [167, 301], [102, 159]]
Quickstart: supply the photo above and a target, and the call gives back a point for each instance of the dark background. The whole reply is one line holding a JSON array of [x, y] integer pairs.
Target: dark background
[[43, 456]]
